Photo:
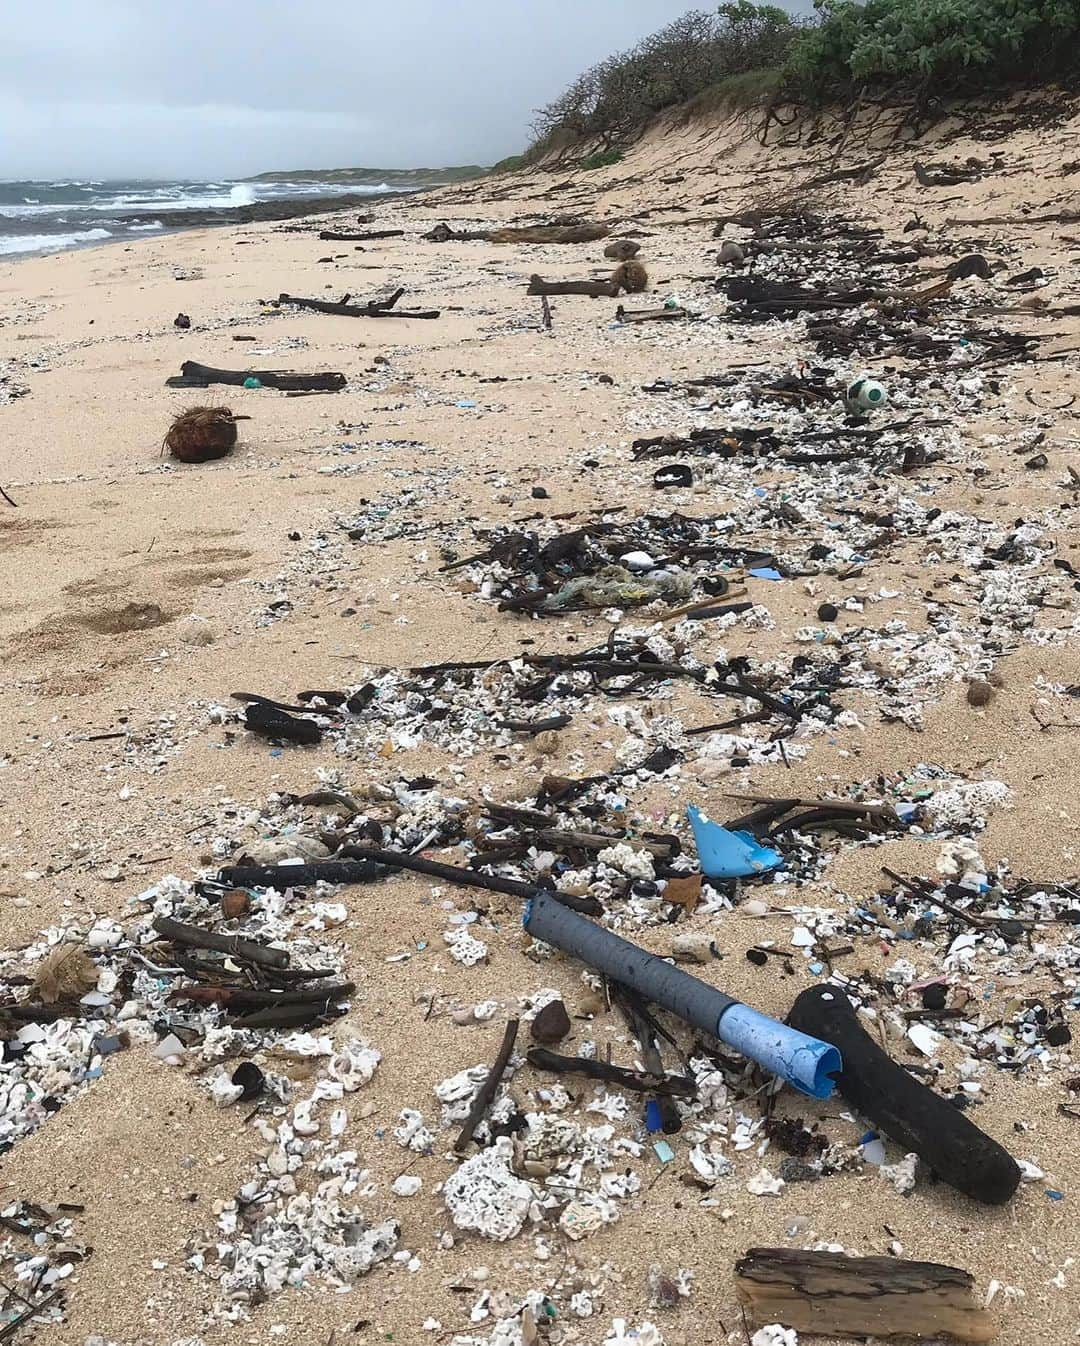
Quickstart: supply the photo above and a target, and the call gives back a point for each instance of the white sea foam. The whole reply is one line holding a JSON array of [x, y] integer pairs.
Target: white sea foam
[[16, 243]]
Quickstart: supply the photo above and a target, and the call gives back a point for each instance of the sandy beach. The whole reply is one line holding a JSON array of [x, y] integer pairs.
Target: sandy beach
[[139, 593]]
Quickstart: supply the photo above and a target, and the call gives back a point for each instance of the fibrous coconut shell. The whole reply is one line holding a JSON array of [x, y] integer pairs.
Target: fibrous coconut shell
[[65, 973], [202, 433]]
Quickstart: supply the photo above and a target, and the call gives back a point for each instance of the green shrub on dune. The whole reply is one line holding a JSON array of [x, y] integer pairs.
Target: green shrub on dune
[[955, 44], [743, 53]]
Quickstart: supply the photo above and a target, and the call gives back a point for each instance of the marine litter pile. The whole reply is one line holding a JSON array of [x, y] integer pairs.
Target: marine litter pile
[[636, 674]]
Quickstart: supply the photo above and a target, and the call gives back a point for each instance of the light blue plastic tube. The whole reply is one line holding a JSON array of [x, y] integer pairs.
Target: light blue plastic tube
[[805, 1062]]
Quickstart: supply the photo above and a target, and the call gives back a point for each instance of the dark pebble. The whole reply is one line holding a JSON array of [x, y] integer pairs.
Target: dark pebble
[[1058, 1035], [540, 493], [552, 1023], [979, 693], [251, 1079], [828, 612], [757, 956], [933, 997]]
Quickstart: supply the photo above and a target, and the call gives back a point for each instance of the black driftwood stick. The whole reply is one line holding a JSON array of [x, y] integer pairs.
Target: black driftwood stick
[[298, 876], [483, 1099], [669, 1086], [534, 726], [282, 379], [288, 1016], [235, 945], [469, 878], [247, 998], [908, 1112], [374, 308]]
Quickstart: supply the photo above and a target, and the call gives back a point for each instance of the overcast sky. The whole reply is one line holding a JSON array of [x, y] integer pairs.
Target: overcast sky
[[213, 88]]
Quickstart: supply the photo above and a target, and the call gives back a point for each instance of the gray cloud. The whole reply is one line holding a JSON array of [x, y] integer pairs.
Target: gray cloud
[[214, 88]]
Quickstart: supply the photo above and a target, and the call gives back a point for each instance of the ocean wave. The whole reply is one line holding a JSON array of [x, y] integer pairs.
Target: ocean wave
[[12, 243]]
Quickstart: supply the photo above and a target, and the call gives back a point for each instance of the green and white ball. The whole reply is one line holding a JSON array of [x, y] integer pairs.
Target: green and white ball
[[866, 395]]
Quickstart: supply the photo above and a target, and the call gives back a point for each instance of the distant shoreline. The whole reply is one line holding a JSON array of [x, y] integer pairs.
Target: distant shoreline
[[180, 221]]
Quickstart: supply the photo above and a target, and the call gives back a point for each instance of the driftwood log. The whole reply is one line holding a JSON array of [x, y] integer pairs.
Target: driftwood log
[[236, 946], [595, 289], [901, 1106], [650, 314], [835, 1295], [330, 235], [572, 233], [196, 375], [443, 233], [374, 308]]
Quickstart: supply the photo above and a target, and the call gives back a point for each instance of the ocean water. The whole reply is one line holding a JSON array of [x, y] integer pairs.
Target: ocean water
[[46, 216]]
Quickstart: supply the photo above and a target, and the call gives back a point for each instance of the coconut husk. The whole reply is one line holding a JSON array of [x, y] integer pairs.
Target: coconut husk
[[202, 433], [622, 250], [631, 277], [65, 973]]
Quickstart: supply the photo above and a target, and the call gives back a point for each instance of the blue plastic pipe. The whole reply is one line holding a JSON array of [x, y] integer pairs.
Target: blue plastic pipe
[[805, 1062]]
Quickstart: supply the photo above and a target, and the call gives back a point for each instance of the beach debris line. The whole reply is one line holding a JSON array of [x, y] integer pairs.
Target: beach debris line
[[200, 434], [802, 1060], [194, 375], [374, 308], [836, 1295], [908, 1112]]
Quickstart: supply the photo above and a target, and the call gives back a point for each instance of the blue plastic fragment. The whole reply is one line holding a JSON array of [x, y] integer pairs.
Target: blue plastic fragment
[[764, 573], [729, 855], [664, 1152], [653, 1120], [816, 968], [466, 402], [1054, 1195]]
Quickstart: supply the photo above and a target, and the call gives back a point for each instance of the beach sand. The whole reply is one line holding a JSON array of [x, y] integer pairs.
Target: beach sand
[[451, 422]]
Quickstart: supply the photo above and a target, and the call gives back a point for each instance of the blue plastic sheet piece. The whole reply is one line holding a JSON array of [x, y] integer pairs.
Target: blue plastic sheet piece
[[729, 855], [764, 573]]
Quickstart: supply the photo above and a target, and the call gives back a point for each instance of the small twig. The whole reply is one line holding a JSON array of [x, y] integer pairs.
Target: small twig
[[977, 922], [678, 1086], [8, 498], [487, 1090]]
